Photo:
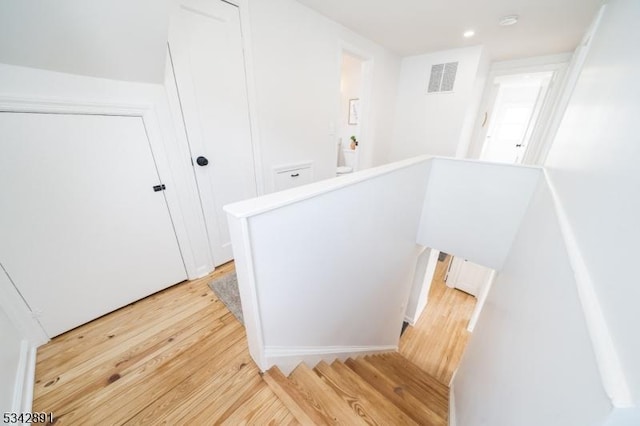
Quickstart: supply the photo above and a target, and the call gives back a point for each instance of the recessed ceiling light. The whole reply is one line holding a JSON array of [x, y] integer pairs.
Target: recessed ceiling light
[[468, 34], [505, 21]]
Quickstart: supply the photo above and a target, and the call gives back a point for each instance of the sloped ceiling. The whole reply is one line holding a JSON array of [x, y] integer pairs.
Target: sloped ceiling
[[410, 27], [115, 39]]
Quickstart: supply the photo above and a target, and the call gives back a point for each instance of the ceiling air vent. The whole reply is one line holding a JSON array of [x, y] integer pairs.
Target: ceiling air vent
[[442, 77]]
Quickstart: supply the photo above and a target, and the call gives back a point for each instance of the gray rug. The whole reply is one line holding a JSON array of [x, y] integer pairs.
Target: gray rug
[[226, 288]]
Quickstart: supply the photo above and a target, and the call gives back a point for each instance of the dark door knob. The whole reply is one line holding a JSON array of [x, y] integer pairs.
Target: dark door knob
[[202, 161]]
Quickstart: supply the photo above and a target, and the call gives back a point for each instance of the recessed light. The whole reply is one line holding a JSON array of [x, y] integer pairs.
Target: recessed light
[[505, 21], [469, 33]]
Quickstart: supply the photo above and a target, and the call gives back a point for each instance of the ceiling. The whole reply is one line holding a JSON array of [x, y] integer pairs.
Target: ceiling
[[410, 27]]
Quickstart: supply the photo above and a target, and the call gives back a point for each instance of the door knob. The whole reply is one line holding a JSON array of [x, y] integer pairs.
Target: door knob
[[202, 161]]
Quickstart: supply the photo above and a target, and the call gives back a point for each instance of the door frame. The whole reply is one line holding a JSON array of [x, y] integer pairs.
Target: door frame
[[533, 125], [364, 153], [557, 64]]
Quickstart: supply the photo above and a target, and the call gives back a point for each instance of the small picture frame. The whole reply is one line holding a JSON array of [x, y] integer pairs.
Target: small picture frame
[[354, 112]]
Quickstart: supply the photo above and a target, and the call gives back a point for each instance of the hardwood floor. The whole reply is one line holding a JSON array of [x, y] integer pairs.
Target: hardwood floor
[[437, 341], [180, 357], [163, 359]]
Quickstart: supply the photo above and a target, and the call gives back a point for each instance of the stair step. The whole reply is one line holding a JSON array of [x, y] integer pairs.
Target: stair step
[[414, 371], [424, 387], [323, 399], [362, 397], [396, 392], [292, 397]]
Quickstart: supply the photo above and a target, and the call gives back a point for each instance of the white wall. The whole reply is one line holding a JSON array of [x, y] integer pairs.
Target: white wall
[[117, 39], [434, 123], [312, 279], [9, 361], [473, 209], [593, 164], [296, 56], [530, 360]]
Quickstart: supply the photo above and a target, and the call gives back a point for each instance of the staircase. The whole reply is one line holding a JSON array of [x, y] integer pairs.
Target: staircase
[[382, 389]]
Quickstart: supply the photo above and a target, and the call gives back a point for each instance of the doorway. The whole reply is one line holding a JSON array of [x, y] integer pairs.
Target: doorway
[[354, 77], [518, 100]]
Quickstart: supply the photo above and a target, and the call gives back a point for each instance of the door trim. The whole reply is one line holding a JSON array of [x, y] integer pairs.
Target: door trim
[[247, 53]]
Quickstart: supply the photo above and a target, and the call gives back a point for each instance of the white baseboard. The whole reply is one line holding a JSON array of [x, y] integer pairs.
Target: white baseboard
[[410, 321], [25, 379], [452, 407], [288, 358]]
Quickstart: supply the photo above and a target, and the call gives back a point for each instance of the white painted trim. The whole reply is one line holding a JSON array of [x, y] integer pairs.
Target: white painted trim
[[19, 313], [258, 347], [25, 379], [611, 369], [482, 298], [288, 358], [453, 421], [294, 166], [147, 113], [569, 80]]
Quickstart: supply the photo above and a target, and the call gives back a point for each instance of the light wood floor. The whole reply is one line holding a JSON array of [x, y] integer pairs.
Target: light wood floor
[[180, 357], [438, 340]]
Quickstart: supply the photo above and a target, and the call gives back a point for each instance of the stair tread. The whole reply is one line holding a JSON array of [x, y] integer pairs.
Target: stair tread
[[397, 393], [414, 371], [292, 397], [361, 396], [425, 388], [323, 398]]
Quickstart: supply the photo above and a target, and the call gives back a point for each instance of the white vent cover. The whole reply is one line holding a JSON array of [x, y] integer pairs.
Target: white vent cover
[[443, 76]]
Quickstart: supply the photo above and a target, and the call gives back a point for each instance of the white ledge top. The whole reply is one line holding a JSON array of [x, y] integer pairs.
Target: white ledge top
[[256, 206]]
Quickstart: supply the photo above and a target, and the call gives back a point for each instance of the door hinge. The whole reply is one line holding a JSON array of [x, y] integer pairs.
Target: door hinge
[[158, 188]]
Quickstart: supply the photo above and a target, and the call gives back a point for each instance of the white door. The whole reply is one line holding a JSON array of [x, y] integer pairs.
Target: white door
[[506, 139], [467, 276], [205, 44], [82, 230]]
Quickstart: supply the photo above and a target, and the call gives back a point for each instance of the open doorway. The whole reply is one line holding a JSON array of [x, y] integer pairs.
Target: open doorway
[[354, 77], [517, 102]]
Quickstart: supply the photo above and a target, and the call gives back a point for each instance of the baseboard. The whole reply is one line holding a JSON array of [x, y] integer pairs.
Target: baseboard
[[452, 406], [288, 358], [25, 379]]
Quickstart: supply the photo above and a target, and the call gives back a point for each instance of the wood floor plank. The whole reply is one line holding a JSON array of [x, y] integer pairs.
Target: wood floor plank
[[292, 397], [158, 378], [372, 406], [212, 407], [122, 398], [78, 339], [230, 361], [438, 339], [411, 371], [394, 391], [124, 351], [118, 329], [180, 357], [432, 397], [333, 408]]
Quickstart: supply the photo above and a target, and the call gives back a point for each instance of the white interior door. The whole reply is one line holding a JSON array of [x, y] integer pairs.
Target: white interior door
[[467, 276], [205, 44], [82, 231], [513, 111]]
